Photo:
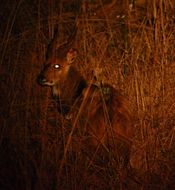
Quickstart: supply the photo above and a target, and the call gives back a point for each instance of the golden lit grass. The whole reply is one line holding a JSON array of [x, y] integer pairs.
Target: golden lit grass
[[137, 59]]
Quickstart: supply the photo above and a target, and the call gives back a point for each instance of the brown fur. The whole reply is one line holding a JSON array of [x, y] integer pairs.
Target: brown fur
[[106, 119], [99, 113]]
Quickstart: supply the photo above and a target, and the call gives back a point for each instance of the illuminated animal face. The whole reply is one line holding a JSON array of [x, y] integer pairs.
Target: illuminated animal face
[[56, 69]]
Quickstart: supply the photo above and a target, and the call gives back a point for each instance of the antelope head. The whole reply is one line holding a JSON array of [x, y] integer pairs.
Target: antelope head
[[58, 64], [57, 68]]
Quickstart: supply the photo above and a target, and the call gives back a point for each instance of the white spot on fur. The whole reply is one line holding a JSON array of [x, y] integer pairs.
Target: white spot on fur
[[55, 90]]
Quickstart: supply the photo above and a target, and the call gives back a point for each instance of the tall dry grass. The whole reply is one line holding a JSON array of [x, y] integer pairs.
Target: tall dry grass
[[131, 49]]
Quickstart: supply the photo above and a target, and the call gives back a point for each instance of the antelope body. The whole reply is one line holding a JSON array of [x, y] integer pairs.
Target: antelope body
[[103, 114]]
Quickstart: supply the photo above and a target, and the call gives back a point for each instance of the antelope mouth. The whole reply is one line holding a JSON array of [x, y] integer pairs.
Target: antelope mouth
[[44, 82], [47, 83]]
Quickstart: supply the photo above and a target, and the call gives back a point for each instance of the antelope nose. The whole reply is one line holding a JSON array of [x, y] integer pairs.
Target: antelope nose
[[41, 80]]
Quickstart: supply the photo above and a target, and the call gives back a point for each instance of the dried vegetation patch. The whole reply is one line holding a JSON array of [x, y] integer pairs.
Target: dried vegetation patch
[[130, 46]]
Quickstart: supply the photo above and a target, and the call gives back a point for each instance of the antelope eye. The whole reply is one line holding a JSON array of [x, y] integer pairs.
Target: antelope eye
[[56, 66]]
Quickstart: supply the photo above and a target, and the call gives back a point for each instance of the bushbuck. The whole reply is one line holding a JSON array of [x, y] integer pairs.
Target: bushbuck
[[99, 112]]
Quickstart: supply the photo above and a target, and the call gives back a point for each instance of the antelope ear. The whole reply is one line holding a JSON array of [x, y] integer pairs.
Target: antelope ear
[[71, 55]]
